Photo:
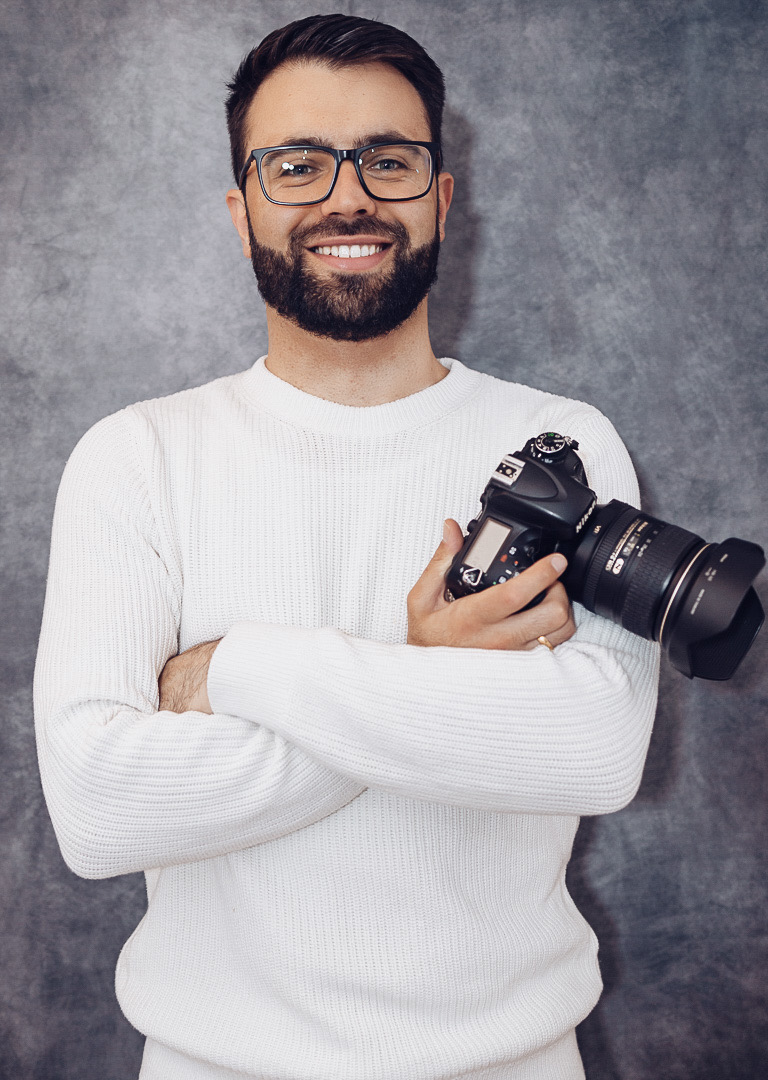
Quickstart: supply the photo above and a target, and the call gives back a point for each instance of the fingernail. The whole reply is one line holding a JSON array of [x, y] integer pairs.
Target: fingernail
[[559, 562], [446, 533]]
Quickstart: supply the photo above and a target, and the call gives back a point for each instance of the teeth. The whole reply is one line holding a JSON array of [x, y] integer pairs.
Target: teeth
[[354, 251]]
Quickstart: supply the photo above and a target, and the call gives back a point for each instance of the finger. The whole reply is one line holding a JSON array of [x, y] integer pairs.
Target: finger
[[500, 601], [554, 622], [431, 585], [552, 619]]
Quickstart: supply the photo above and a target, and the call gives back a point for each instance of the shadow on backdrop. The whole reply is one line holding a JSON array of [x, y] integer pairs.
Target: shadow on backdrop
[[451, 300]]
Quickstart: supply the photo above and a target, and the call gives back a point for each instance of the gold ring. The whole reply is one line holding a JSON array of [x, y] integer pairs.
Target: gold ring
[[545, 641]]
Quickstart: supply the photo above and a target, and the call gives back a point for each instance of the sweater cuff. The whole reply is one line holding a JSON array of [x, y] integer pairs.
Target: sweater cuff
[[253, 670]]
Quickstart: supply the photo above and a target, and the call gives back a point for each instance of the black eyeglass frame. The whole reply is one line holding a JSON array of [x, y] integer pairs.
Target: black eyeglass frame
[[435, 160]]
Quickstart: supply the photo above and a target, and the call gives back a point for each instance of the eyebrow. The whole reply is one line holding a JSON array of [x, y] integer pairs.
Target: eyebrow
[[363, 140]]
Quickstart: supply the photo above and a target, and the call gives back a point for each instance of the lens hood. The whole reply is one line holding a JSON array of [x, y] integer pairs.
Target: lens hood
[[713, 614]]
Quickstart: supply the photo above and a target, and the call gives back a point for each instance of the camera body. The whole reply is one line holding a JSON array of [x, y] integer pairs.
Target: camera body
[[653, 578], [536, 502]]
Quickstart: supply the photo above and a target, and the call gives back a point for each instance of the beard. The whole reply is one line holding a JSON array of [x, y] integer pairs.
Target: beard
[[345, 307]]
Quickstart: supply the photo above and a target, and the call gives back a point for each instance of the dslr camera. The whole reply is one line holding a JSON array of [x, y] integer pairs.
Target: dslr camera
[[654, 579]]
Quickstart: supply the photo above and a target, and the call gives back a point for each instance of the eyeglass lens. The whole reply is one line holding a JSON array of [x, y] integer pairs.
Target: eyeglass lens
[[304, 175]]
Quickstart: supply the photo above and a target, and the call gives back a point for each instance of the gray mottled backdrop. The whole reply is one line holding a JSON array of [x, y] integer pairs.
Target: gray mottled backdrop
[[608, 241]]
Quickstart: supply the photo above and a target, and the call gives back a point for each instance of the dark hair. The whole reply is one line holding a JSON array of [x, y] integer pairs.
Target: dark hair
[[339, 41]]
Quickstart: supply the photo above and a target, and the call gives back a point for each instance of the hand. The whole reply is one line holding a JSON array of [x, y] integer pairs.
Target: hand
[[491, 619], [183, 681]]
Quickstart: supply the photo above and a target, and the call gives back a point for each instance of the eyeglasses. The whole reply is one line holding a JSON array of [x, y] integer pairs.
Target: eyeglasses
[[304, 175]]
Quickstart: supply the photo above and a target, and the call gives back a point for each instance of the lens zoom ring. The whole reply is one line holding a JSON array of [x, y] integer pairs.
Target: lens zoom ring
[[657, 565], [599, 558]]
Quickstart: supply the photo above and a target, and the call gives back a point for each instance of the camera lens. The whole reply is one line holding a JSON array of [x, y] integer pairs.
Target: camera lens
[[669, 585]]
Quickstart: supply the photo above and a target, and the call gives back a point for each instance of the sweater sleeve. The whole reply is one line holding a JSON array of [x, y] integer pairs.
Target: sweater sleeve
[[561, 732], [130, 788]]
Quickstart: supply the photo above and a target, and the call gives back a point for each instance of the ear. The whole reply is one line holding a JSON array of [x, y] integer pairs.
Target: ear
[[444, 196], [236, 205]]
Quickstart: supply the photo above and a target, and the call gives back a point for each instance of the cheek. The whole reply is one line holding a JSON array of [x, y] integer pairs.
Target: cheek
[[425, 223], [273, 225], [429, 230]]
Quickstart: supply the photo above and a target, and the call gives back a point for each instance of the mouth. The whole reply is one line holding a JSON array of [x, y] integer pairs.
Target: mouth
[[352, 256], [349, 251]]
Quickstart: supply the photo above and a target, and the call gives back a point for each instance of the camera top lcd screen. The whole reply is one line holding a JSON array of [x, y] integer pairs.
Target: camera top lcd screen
[[487, 544]]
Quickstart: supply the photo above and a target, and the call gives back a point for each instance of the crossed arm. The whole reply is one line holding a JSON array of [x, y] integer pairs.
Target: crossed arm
[[492, 619], [500, 724]]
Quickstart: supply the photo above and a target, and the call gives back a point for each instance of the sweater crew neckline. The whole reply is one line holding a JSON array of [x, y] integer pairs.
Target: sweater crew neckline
[[274, 395]]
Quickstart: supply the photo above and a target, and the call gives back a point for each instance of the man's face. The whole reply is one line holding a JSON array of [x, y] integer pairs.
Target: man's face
[[346, 298]]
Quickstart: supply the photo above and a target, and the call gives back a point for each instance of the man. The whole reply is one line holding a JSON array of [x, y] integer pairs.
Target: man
[[355, 802]]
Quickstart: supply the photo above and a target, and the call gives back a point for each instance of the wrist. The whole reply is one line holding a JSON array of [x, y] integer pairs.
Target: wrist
[[183, 681]]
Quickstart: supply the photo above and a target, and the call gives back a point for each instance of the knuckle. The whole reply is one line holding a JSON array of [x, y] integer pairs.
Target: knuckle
[[564, 608], [558, 599], [414, 596]]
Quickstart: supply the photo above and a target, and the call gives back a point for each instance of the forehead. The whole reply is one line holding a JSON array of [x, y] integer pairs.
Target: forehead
[[340, 106]]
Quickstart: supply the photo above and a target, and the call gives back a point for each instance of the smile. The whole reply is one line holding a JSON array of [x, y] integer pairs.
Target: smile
[[352, 251]]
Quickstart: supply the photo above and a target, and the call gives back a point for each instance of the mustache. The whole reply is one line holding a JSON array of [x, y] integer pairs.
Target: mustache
[[311, 235]]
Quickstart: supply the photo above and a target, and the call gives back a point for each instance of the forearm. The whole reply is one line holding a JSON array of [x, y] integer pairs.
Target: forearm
[[129, 790], [130, 787], [537, 732]]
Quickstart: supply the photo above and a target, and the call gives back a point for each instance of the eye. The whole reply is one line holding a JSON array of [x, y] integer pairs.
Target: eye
[[386, 164], [396, 163], [296, 168]]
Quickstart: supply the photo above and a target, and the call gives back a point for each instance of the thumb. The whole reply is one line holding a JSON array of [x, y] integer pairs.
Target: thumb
[[449, 546], [430, 586], [453, 538]]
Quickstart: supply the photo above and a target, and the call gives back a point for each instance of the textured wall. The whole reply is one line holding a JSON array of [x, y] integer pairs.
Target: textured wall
[[607, 241]]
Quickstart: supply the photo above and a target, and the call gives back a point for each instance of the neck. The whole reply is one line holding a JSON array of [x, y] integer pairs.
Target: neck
[[355, 372]]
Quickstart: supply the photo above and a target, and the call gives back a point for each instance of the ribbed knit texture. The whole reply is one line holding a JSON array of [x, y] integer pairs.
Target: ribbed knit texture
[[356, 866]]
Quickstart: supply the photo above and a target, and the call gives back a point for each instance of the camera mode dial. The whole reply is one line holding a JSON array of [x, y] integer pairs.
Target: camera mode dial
[[550, 446]]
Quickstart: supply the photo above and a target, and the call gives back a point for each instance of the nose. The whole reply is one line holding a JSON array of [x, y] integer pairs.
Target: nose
[[348, 196]]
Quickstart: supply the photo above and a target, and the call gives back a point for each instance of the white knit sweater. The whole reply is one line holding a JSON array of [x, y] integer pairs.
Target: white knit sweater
[[355, 867]]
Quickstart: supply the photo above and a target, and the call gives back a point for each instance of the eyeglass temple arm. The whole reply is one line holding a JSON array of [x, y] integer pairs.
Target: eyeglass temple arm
[[245, 169]]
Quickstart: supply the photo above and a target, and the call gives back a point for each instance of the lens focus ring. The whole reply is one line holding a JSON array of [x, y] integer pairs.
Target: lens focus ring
[[652, 575]]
